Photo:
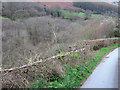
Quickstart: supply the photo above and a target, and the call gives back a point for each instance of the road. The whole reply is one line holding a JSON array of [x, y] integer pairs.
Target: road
[[105, 75]]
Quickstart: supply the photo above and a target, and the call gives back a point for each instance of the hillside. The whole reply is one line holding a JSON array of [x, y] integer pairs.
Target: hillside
[[97, 7], [63, 5], [26, 10], [43, 42]]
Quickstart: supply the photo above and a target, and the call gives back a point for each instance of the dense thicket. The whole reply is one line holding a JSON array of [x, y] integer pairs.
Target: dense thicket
[[97, 7], [19, 10], [44, 36], [39, 33]]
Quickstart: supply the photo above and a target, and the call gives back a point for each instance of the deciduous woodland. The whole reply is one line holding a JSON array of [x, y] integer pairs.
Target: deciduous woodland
[[33, 32]]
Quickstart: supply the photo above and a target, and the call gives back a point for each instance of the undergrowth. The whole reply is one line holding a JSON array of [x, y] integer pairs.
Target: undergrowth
[[75, 75]]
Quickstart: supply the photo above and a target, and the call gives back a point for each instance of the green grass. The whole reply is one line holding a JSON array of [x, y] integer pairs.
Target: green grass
[[75, 75], [68, 14], [97, 55], [82, 15], [6, 18], [96, 15]]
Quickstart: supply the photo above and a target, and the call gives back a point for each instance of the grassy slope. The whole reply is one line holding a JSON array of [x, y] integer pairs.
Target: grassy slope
[[68, 14], [81, 14], [1, 17], [75, 75]]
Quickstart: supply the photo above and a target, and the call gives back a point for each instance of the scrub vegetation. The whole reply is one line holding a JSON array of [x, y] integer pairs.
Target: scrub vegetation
[[75, 75], [60, 40]]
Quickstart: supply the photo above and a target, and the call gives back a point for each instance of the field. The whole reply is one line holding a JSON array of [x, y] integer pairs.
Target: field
[[68, 14]]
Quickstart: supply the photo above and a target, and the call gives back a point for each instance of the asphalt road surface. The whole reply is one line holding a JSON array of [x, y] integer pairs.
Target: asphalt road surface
[[105, 75]]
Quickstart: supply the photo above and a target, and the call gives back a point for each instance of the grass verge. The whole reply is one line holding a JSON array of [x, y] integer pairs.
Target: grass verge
[[75, 75]]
